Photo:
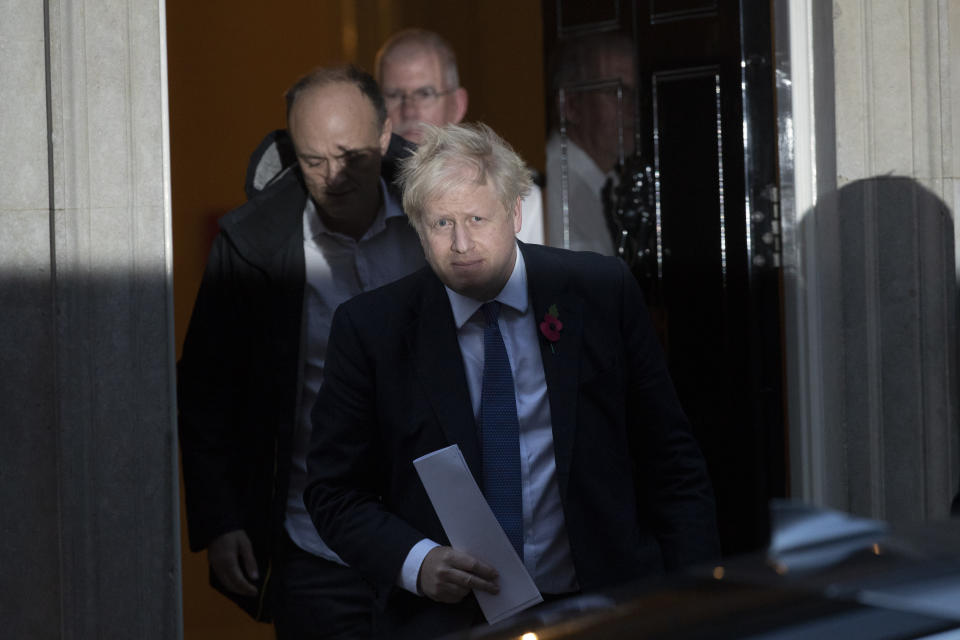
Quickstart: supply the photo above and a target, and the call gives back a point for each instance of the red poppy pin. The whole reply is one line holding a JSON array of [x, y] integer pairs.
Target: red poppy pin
[[551, 326]]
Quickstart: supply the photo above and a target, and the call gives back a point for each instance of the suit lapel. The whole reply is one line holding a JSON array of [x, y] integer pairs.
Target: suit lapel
[[439, 363], [561, 360]]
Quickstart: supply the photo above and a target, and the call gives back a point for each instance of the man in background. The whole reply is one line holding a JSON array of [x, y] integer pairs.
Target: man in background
[[255, 353], [594, 138], [417, 71]]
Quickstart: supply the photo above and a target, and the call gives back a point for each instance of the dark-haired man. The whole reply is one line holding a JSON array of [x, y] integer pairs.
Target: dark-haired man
[[255, 351]]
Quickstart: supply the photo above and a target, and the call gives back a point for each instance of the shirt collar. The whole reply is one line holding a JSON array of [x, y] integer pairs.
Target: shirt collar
[[580, 162], [313, 226], [513, 294]]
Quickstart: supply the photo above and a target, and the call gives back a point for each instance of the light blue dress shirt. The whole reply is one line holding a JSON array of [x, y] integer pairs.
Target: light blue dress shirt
[[546, 549]]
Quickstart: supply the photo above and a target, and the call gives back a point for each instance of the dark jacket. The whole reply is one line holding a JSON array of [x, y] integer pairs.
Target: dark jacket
[[238, 375]]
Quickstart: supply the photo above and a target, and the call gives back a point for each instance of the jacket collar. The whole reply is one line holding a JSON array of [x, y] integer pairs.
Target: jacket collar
[[549, 285], [264, 228], [433, 343]]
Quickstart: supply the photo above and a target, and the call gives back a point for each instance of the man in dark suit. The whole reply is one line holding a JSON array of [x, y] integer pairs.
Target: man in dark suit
[[542, 366]]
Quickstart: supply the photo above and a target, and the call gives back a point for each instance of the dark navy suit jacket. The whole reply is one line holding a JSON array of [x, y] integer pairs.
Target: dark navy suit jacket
[[634, 487]]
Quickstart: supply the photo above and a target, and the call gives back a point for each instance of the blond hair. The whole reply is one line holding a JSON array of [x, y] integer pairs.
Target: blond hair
[[456, 154]]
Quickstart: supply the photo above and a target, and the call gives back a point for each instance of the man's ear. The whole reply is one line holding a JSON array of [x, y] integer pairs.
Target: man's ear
[[461, 100], [385, 136]]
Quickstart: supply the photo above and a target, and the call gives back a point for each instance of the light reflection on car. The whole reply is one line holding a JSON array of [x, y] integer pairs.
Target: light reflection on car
[[824, 574]]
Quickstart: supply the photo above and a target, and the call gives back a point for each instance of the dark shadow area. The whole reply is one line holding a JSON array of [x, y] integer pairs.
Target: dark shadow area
[[27, 490], [87, 462], [700, 109], [881, 251]]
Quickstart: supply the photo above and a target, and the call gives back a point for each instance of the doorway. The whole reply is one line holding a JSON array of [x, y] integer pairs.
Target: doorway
[[703, 122]]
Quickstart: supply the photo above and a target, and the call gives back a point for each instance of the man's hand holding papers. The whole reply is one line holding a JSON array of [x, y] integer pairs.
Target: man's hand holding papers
[[447, 575]]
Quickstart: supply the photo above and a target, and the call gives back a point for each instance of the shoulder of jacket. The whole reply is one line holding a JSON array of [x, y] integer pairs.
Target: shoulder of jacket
[[262, 226]]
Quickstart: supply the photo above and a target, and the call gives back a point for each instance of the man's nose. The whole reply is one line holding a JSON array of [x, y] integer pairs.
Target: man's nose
[[462, 240], [408, 107], [336, 171]]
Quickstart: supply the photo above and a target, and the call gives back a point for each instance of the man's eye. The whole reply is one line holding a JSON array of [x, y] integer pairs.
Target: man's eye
[[477, 219], [443, 223], [424, 93], [354, 157]]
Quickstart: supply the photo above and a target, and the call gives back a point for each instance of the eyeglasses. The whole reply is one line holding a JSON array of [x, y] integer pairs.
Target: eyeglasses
[[422, 97]]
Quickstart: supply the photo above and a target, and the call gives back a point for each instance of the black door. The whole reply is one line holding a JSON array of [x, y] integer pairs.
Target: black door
[[705, 124]]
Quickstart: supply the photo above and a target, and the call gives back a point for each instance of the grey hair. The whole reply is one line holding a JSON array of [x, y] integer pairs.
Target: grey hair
[[420, 39], [455, 154], [349, 74]]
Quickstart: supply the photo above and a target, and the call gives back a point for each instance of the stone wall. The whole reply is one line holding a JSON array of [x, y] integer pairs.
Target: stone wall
[[88, 456], [870, 263]]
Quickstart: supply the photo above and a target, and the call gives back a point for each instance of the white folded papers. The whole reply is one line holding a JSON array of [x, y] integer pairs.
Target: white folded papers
[[471, 527]]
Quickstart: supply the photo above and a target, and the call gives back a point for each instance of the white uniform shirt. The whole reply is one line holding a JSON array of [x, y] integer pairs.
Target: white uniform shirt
[[337, 268], [588, 226]]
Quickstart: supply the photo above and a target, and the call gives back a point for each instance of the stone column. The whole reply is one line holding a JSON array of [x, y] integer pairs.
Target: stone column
[[870, 272], [88, 458]]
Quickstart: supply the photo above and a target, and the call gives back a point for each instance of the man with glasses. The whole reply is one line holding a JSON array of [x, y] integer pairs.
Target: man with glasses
[[596, 122], [417, 71]]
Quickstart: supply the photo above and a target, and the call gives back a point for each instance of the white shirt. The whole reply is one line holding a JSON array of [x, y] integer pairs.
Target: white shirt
[[588, 226], [337, 268], [531, 217], [546, 549]]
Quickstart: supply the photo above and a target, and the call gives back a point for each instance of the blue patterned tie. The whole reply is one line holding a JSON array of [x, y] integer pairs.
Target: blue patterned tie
[[500, 432]]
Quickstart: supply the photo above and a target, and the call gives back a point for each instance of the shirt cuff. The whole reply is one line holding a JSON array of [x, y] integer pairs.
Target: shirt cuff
[[410, 570]]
